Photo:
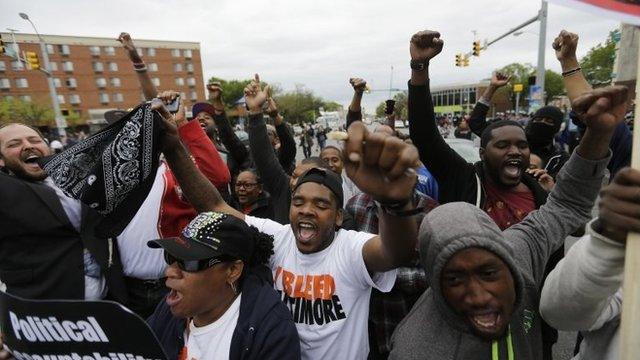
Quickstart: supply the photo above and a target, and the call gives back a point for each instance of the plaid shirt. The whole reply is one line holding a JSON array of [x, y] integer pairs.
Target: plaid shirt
[[388, 309]]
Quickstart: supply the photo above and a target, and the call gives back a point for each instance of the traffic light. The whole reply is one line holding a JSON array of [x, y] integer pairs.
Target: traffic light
[[2, 46], [465, 60], [476, 48], [458, 60], [32, 60]]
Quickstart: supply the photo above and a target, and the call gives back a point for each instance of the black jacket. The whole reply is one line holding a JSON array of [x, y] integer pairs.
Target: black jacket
[[41, 253], [265, 329], [553, 156], [262, 208]]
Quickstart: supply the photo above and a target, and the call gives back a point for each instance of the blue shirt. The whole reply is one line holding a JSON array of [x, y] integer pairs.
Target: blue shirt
[[427, 184]]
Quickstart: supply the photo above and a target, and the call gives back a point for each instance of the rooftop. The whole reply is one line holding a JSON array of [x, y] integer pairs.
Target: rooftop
[[98, 41]]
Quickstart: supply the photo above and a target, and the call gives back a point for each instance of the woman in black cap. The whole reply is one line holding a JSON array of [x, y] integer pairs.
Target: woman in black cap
[[222, 304]]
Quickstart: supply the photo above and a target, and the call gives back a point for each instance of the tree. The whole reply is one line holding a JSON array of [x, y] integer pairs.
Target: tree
[[553, 85], [31, 113], [597, 65], [332, 106], [400, 108], [300, 105], [232, 89]]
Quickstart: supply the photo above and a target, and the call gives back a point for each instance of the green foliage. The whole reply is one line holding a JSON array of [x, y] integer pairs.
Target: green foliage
[[232, 90], [597, 65], [30, 113], [300, 105], [332, 106], [400, 108], [520, 73]]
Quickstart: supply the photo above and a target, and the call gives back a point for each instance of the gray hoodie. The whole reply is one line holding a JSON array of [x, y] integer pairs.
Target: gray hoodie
[[432, 330]]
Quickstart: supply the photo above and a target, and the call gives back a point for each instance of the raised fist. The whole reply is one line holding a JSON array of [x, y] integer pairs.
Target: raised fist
[[603, 108], [215, 90], [125, 40], [359, 85], [425, 45], [255, 96], [565, 45], [499, 79]]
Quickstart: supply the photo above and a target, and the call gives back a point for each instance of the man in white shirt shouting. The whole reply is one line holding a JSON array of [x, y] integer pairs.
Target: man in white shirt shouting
[[323, 273]]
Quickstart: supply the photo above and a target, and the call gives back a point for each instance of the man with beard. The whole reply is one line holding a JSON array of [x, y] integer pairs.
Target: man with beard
[[325, 274], [499, 183], [485, 283], [47, 243]]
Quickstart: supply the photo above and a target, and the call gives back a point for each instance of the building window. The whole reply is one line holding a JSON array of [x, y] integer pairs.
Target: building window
[[50, 49], [67, 66], [17, 65], [152, 67], [25, 98], [74, 99], [3, 66], [56, 82], [61, 99], [175, 53], [117, 97], [139, 51], [71, 83], [22, 83], [191, 81], [179, 81], [104, 98], [177, 67], [151, 52], [189, 67], [155, 81], [193, 95], [109, 50], [98, 66], [53, 66], [113, 66], [64, 49], [94, 50], [115, 82], [5, 84], [187, 54], [101, 82]]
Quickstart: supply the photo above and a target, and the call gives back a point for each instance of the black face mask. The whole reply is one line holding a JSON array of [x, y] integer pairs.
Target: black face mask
[[539, 134]]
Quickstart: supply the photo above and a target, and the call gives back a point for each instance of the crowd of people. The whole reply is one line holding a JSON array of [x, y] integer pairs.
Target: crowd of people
[[382, 247]]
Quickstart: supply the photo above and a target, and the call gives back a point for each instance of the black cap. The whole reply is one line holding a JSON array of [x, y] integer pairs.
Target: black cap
[[323, 177], [210, 235], [550, 112]]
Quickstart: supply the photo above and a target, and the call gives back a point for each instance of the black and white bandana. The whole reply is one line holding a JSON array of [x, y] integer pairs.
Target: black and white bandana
[[116, 164]]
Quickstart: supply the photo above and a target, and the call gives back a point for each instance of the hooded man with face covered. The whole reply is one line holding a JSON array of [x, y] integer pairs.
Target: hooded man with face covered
[[485, 283]]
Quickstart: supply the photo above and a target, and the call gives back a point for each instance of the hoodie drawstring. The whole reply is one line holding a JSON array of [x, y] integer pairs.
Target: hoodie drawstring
[[494, 347]]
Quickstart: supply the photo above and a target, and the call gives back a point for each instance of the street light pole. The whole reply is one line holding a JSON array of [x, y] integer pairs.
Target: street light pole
[[61, 122], [541, 47]]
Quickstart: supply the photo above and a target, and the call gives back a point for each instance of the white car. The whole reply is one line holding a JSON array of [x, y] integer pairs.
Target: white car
[[465, 148]]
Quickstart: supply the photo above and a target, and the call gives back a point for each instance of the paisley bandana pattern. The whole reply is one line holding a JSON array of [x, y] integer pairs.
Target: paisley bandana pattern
[[103, 170]]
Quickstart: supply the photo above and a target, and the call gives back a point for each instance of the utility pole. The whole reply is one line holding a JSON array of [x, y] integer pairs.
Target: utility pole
[[61, 122], [542, 16]]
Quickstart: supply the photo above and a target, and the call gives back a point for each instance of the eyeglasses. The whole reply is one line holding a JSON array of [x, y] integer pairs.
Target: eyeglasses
[[247, 186], [191, 265]]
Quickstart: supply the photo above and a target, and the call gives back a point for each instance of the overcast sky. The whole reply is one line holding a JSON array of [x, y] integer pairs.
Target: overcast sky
[[319, 43]]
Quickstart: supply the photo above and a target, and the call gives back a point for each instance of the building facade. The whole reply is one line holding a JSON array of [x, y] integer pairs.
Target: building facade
[[457, 99], [93, 75]]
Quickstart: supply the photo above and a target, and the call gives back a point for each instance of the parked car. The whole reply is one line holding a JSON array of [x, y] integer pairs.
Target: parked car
[[465, 148]]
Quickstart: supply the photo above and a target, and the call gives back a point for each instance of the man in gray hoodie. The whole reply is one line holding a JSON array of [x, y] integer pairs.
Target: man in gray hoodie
[[485, 283]]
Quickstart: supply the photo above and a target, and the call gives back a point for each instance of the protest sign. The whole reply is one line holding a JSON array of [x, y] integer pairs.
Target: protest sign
[[74, 330]]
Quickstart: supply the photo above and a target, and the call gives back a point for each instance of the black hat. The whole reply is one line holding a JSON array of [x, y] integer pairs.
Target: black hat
[[550, 112], [323, 177], [210, 235]]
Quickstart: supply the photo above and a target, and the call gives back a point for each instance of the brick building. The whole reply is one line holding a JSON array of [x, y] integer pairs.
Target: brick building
[[93, 75]]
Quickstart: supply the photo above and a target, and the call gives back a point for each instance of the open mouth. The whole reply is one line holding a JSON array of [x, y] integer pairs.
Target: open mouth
[[513, 168], [306, 231], [486, 321], [173, 298]]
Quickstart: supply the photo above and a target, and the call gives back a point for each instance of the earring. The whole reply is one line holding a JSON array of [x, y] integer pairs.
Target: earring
[[233, 288]]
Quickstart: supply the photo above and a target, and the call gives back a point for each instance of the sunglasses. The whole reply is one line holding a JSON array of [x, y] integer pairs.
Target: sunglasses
[[191, 265]]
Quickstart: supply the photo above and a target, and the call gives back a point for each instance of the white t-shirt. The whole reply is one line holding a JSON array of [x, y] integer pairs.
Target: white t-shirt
[[138, 260], [327, 292], [213, 341]]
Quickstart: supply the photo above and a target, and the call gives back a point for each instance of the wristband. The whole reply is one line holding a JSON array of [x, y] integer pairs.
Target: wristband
[[419, 65], [397, 208], [571, 72]]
